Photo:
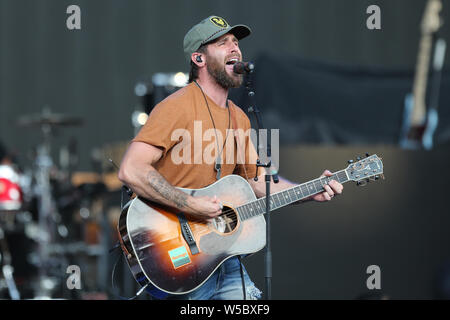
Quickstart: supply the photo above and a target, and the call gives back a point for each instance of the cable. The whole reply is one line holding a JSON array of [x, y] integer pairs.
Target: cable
[[218, 164], [113, 287]]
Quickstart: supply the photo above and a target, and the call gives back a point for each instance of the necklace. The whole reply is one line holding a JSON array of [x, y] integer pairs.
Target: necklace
[[218, 164]]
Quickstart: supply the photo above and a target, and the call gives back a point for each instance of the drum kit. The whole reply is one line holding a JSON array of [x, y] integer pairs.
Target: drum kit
[[44, 218]]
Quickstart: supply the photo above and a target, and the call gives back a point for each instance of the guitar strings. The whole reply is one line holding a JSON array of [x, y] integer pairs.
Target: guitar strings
[[233, 214]]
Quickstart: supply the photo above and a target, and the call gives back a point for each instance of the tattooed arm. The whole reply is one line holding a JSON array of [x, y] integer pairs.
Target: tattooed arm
[[138, 173]]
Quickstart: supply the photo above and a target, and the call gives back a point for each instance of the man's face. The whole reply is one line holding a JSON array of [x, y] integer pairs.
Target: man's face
[[220, 57]]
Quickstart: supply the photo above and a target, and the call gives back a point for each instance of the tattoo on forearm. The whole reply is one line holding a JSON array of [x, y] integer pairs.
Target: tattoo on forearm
[[165, 190]]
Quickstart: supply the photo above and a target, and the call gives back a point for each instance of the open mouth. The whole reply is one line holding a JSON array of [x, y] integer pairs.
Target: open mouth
[[232, 61]]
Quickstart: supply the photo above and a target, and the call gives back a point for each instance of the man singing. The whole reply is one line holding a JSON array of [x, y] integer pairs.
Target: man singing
[[151, 167]]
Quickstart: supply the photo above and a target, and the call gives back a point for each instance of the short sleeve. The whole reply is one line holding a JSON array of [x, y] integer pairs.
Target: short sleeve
[[163, 121]]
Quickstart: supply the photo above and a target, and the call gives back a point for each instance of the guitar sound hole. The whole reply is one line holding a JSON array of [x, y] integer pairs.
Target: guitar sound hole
[[227, 221]]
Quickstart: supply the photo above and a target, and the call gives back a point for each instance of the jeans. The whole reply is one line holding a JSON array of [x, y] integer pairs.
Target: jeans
[[224, 284]]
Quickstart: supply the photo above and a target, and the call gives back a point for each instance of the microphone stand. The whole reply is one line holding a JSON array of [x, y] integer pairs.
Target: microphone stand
[[268, 176]]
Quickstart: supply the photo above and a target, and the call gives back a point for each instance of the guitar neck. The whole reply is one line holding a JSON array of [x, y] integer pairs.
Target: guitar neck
[[430, 25], [420, 81], [289, 196]]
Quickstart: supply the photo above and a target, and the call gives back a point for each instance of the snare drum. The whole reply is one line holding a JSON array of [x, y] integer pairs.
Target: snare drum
[[11, 196]]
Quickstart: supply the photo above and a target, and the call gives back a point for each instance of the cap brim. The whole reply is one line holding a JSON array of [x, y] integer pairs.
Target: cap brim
[[240, 31]]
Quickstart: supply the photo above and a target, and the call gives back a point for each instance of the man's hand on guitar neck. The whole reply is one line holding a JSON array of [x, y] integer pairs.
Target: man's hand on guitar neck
[[331, 189]]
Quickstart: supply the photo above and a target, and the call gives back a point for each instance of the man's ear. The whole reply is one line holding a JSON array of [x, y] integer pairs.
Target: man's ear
[[197, 58]]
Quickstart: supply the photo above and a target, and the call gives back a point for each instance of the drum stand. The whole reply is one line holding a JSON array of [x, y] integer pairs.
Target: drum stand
[[7, 269], [46, 208], [49, 220]]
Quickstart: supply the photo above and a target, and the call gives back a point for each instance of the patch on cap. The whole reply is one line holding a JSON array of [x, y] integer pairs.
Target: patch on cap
[[218, 21]]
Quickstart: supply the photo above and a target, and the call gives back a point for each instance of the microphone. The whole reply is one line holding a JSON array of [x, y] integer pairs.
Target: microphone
[[243, 67]]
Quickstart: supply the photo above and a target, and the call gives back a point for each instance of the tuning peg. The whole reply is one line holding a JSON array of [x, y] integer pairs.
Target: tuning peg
[[361, 183], [358, 158], [367, 154], [377, 177], [350, 161]]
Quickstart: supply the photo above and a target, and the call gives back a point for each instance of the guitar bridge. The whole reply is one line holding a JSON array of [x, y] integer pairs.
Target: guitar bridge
[[187, 233]]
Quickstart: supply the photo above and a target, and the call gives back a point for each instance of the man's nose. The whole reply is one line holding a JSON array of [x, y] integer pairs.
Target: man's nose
[[235, 46], [235, 49]]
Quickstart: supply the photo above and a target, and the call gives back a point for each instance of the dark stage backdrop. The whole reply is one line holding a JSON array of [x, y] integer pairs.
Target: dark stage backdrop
[[321, 103], [91, 73], [322, 250]]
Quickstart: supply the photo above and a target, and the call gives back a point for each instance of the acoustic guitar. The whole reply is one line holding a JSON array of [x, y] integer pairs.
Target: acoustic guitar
[[167, 251]]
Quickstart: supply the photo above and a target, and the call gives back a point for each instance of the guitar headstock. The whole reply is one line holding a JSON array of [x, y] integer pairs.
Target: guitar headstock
[[431, 21], [366, 169]]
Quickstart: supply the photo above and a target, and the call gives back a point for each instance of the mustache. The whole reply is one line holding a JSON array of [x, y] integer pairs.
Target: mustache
[[239, 57]]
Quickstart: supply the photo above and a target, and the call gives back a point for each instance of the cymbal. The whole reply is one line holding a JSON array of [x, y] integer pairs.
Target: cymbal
[[48, 118]]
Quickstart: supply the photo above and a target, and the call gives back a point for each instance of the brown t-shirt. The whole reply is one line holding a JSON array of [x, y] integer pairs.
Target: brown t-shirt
[[182, 128]]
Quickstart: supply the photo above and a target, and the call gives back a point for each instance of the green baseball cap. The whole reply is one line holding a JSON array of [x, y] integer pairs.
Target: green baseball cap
[[209, 29]]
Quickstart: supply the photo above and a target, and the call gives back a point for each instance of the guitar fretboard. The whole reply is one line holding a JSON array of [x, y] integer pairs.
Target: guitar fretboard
[[288, 196]]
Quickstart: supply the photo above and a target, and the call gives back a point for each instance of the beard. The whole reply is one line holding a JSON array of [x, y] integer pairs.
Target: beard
[[218, 72]]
